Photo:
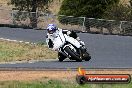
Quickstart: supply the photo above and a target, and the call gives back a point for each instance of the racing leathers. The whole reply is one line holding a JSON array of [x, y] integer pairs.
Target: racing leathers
[[51, 38]]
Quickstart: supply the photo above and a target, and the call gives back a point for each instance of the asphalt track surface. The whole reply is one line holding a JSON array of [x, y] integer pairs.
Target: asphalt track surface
[[107, 51]]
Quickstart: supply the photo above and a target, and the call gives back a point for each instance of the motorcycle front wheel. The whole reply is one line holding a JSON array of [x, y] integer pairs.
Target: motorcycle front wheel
[[61, 57], [73, 54]]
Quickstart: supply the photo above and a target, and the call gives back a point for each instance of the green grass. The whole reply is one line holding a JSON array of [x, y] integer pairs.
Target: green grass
[[12, 51], [58, 84]]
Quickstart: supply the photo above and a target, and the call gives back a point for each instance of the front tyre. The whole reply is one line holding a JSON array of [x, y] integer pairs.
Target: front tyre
[[61, 57], [73, 54]]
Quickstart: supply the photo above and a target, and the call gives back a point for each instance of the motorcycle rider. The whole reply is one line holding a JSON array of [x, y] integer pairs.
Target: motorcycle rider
[[53, 33]]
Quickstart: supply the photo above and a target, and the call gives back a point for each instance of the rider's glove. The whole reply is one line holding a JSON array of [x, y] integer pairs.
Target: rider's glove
[[50, 44]]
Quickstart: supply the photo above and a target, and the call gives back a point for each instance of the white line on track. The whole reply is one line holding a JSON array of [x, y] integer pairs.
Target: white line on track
[[16, 41], [30, 61]]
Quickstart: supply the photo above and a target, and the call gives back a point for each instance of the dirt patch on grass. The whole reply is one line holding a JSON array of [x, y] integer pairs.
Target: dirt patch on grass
[[45, 75], [35, 75]]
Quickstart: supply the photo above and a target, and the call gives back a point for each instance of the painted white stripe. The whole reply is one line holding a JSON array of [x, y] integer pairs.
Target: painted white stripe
[[18, 41], [30, 61], [14, 40], [27, 42]]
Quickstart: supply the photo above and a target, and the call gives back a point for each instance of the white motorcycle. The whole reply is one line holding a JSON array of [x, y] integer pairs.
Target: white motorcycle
[[69, 47]]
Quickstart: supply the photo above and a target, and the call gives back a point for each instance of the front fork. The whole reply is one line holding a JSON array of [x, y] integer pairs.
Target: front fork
[[62, 51]]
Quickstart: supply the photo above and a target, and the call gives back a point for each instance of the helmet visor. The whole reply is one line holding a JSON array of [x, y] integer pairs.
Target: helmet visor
[[50, 31]]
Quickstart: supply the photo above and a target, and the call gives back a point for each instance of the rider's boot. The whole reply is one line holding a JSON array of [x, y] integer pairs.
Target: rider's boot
[[83, 49]]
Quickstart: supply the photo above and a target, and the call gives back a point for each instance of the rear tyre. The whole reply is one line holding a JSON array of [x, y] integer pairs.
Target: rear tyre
[[73, 54], [86, 56], [61, 57]]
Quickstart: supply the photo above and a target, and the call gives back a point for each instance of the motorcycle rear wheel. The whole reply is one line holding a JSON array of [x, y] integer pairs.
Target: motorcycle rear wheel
[[86, 56]]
